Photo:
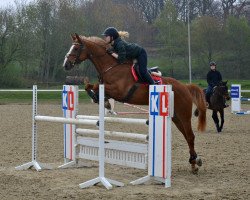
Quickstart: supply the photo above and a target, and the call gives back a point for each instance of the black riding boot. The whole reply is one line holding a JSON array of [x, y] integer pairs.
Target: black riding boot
[[208, 99], [148, 79]]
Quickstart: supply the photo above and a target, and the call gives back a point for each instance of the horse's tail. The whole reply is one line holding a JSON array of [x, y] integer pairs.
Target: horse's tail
[[199, 101]]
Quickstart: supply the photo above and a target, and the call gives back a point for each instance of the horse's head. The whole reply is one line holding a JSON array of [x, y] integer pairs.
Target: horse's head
[[223, 89], [77, 53], [83, 48]]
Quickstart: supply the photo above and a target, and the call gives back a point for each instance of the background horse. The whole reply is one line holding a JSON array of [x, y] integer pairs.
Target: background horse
[[217, 103], [121, 86]]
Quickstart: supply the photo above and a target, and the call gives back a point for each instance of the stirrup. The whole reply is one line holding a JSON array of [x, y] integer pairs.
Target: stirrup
[[157, 82]]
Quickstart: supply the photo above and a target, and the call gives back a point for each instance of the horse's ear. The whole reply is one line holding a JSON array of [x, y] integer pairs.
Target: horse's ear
[[78, 38], [73, 37]]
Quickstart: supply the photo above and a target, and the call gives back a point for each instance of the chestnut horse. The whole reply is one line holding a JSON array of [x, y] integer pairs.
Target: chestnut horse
[[118, 81]]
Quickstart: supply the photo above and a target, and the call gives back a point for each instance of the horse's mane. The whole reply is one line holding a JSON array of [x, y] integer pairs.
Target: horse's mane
[[94, 39]]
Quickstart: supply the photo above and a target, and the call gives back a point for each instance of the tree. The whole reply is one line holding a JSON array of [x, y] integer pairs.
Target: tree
[[9, 45], [206, 37], [172, 34], [148, 9], [101, 14], [238, 42]]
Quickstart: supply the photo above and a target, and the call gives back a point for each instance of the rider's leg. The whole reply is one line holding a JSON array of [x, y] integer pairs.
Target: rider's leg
[[208, 93], [147, 77], [207, 97], [142, 62]]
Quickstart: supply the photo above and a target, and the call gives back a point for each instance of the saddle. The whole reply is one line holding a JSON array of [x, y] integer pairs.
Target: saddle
[[153, 71]]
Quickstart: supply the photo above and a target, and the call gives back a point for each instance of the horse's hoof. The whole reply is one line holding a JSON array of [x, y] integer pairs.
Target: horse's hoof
[[107, 105], [196, 113], [199, 162], [195, 170]]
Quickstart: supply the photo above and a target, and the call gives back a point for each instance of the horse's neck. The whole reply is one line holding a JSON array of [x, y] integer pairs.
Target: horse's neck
[[218, 96], [100, 58], [103, 63]]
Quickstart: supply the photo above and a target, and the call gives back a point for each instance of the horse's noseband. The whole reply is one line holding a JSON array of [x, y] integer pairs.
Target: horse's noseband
[[77, 55]]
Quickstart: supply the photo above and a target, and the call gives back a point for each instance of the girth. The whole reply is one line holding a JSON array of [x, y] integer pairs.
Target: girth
[[131, 92]]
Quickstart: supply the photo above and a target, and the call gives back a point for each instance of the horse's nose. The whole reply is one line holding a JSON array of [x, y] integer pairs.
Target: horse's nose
[[67, 65], [227, 97]]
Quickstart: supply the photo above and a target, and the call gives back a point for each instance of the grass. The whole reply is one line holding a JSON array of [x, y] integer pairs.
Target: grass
[[26, 97], [245, 84]]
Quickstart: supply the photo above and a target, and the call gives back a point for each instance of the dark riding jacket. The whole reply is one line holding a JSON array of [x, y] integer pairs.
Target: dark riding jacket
[[125, 50], [213, 78]]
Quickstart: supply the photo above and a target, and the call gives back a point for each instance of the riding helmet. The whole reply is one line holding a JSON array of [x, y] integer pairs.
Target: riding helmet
[[212, 63], [112, 32]]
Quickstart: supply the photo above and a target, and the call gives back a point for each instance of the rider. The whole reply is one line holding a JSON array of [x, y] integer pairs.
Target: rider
[[122, 51], [213, 78]]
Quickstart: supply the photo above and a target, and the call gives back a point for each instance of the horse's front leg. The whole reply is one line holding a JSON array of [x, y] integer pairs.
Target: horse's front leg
[[222, 119], [216, 120], [93, 91]]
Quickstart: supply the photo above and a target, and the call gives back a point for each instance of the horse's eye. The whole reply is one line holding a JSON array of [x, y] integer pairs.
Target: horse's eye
[[75, 49]]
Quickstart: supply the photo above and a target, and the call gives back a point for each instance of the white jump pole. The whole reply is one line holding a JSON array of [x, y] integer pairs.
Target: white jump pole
[[101, 178], [34, 163], [137, 136], [65, 120], [115, 120]]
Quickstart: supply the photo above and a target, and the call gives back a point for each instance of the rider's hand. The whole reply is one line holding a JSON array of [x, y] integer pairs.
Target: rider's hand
[[110, 51]]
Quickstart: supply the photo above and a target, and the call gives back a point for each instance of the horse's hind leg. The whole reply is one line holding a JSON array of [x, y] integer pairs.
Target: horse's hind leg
[[186, 130], [193, 160]]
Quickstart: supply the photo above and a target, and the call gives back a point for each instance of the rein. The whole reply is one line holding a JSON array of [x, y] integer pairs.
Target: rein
[[101, 75], [92, 55]]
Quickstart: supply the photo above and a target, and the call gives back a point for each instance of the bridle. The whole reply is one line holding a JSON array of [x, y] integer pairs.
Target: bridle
[[91, 55], [79, 51], [77, 55], [222, 90]]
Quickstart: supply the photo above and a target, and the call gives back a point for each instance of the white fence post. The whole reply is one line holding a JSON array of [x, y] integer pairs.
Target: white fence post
[[34, 163], [106, 182], [159, 149]]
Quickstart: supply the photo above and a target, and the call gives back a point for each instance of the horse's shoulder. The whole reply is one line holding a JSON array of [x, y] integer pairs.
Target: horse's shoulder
[[174, 82], [170, 80]]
